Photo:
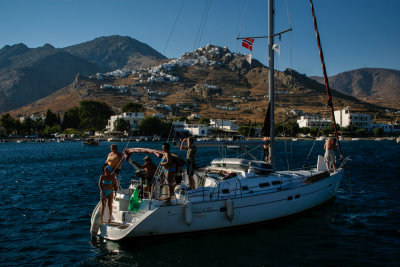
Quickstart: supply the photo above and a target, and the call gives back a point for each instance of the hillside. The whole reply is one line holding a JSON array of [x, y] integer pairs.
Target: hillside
[[29, 74], [374, 85], [211, 81], [116, 52]]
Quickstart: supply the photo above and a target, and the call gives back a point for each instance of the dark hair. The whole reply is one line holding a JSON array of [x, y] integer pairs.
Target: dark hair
[[167, 146]]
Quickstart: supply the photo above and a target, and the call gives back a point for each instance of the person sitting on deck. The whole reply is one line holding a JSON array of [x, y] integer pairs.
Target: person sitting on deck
[[329, 157], [150, 169], [107, 183]]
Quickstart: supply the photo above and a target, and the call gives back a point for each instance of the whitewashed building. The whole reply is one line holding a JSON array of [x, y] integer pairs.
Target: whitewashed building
[[307, 121], [134, 118], [225, 125], [193, 129], [345, 118]]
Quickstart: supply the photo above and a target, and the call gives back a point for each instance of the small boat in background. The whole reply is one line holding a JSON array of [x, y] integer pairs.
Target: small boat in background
[[91, 142]]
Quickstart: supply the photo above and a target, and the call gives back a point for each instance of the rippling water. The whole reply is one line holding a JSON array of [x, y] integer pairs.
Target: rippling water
[[48, 191]]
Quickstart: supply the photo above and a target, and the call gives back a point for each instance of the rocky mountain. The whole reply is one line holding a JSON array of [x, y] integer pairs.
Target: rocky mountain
[[211, 81], [29, 74], [375, 85], [116, 52]]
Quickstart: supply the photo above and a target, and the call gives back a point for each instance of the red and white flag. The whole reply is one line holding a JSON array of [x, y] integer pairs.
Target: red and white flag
[[248, 43]]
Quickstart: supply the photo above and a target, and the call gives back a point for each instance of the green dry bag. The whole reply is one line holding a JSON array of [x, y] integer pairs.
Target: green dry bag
[[134, 202]]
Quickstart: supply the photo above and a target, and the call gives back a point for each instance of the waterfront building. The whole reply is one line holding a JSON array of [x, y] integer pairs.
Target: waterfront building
[[225, 125], [345, 118], [193, 129], [308, 121], [134, 118]]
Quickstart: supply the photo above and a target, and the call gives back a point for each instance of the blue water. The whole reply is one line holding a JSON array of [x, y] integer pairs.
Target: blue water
[[48, 191]]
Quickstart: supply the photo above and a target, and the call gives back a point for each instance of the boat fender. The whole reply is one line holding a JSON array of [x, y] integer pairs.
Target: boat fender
[[188, 213], [229, 209]]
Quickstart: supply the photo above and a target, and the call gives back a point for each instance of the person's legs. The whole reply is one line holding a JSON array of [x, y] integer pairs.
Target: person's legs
[[334, 166], [103, 206], [110, 201]]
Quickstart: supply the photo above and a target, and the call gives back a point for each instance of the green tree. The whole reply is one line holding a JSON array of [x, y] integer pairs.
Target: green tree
[[121, 125], [314, 131], [133, 107], [246, 130], [71, 118], [94, 114], [8, 123], [27, 126], [361, 132], [291, 128], [378, 131], [205, 121], [48, 130], [38, 126], [152, 125], [51, 119]]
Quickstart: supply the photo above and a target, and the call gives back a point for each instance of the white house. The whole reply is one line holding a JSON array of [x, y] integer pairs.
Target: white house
[[193, 129], [134, 118], [387, 128], [226, 125], [345, 118], [313, 121]]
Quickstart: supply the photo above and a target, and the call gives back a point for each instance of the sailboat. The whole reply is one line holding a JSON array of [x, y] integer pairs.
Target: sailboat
[[231, 192]]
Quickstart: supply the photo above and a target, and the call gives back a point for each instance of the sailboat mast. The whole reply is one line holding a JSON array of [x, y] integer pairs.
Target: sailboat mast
[[271, 77]]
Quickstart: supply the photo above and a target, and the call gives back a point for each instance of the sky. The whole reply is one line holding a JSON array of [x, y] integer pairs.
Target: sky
[[354, 33]]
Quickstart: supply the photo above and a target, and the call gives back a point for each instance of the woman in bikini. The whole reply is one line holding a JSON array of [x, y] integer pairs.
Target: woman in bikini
[[169, 168], [107, 184]]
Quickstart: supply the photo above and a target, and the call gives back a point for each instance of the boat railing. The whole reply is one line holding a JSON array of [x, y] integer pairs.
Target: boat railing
[[238, 181]]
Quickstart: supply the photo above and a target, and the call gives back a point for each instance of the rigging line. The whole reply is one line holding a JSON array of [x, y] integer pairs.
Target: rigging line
[[287, 157], [173, 27], [312, 147], [204, 24], [243, 18], [200, 26], [328, 91], [288, 14]]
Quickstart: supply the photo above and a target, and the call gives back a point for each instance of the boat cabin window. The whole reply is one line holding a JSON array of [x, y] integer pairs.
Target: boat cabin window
[[245, 187], [264, 184], [276, 182], [225, 191]]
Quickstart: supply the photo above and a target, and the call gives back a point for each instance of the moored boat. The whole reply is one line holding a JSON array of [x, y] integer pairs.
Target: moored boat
[[230, 192]]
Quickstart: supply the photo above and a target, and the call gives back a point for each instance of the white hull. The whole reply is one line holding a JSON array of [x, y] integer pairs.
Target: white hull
[[236, 208]]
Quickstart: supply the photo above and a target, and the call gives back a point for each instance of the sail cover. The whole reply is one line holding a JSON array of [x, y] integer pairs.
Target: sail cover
[[267, 123]]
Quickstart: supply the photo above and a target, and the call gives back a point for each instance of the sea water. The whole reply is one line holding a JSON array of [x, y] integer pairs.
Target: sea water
[[48, 192]]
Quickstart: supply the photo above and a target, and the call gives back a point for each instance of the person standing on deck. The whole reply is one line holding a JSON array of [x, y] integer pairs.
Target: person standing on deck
[[190, 159], [114, 159], [266, 149], [107, 184], [167, 163], [329, 157]]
